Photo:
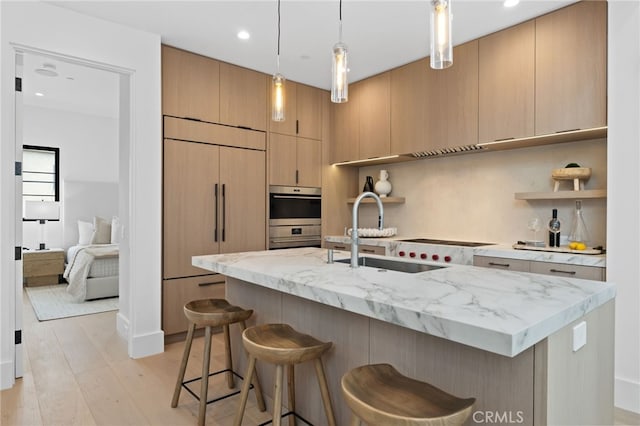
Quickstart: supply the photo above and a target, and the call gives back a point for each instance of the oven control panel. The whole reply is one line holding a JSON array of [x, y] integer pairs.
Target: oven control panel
[[436, 253]]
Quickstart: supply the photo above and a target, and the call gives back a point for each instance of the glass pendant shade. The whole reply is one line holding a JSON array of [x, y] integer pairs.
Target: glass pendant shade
[[277, 97], [339, 82], [441, 45]]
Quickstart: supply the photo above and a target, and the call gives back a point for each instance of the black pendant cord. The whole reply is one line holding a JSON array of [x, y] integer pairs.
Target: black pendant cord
[[279, 30], [340, 10]]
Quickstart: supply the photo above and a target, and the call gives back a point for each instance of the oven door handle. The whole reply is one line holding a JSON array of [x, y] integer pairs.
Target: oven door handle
[[296, 197]]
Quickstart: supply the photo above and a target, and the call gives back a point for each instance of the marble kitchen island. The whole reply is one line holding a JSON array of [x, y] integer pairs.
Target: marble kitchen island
[[505, 338]]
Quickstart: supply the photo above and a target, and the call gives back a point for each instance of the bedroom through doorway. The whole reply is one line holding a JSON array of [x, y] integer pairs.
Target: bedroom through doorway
[[70, 199]]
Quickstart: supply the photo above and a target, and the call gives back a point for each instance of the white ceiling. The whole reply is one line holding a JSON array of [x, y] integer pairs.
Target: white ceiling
[[380, 34]]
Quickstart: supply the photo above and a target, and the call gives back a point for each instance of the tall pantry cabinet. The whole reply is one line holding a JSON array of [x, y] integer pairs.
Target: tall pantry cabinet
[[214, 188]]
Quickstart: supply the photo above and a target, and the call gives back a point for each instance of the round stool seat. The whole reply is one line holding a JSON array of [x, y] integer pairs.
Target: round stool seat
[[379, 394], [281, 344], [214, 312]]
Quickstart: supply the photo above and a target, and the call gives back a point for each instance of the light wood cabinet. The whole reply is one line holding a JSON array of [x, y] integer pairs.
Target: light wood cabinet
[[547, 268], [375, 116], [507, 83], [303, 112], [452, 101], [211, 205], [571, 59], [345, 120], [409, 104], [295, 161], [177, 293], [243, 97], [190, 85], [42, 267]]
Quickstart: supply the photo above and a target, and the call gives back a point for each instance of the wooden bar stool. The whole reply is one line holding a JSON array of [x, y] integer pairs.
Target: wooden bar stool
[[281, 345], [379, 395], [213, 313]]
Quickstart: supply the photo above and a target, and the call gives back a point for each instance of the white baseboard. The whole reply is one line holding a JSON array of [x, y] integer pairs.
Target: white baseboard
[[627, 395], [7, 373], [122, 325], [147, 344]]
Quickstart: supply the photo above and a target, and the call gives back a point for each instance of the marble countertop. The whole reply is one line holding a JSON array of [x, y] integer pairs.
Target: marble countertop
[[498, 311], [393, 245]]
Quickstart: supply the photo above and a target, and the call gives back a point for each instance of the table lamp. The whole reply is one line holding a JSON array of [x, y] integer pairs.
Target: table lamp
[[42, 211]]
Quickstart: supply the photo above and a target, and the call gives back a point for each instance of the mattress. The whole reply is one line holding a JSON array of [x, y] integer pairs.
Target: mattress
[[101, 267]]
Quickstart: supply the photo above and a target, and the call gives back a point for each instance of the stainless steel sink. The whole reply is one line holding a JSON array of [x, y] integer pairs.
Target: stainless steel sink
[[393, 265]]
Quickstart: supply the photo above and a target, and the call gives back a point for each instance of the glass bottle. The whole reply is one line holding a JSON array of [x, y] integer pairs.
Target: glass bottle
[[579, 232]]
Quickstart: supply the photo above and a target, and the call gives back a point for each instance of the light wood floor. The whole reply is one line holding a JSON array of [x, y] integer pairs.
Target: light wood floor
[[77, 372]]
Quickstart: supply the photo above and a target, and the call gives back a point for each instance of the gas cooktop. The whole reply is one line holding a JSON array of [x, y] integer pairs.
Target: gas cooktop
[[446, 242]]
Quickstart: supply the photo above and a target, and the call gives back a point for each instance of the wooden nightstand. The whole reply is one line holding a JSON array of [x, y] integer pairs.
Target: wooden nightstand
[[42, 267]]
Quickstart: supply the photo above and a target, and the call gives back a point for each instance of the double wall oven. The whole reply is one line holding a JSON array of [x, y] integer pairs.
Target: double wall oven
[[294, 217]]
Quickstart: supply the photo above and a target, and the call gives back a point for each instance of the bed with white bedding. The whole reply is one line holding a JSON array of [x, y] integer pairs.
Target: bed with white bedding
[[92, 271]]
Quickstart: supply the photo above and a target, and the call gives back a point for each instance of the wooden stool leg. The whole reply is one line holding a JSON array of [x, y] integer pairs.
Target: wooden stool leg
[[355, 421], [245, 391], [324, 390], [291, 387], [204, 385], [228, 362], [256, 382], [183, 365], [277, 397]]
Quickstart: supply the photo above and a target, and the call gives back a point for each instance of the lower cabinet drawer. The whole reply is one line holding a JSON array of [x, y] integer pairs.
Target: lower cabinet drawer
[[363, 248], [570, 271], [501, 263], [177, 292]]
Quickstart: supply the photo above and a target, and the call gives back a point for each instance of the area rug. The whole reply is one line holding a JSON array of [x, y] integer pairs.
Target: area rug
[[52, 302]]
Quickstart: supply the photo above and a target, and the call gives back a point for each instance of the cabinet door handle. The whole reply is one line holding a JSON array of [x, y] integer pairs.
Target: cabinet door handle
[[297, 174], [568, 130], [215, 232], [210, 283], [297, 127], [504, 139], [558, 271], [224, 212], [340, 247], [504, 265], [365, 250]]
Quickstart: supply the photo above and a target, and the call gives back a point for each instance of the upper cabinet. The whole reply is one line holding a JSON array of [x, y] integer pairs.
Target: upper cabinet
[[243, 97], [295, 161], [190, 85], [571, 59], [409, 85], [345, 125], [303, 112], [375, 116], [452, 101], [507, 83]]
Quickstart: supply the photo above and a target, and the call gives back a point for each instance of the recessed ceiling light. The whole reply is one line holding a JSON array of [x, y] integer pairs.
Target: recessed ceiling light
[[244, 35], [39, 94], [48, 70], [510, 3]]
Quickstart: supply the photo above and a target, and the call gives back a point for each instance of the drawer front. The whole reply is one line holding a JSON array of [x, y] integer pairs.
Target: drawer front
[[176, 293], [570, 271], [33, 256], [39, 268], [363, 248], [501, 263]]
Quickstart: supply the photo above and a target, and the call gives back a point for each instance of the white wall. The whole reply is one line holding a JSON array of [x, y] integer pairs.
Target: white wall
[[471, 197], [137, 54], [623, 267], [88, 152]]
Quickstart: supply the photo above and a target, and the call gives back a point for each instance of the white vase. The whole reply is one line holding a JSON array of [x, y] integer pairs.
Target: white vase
[[383, 186]]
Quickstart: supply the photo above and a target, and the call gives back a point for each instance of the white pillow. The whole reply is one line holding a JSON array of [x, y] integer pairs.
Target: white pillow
[[101, 231], [85, 232], [116, 230]]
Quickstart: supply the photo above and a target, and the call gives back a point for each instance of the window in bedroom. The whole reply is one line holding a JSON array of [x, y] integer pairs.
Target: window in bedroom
[[40, 173]]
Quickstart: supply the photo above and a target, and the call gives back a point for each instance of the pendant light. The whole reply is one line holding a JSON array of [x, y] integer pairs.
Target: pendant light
[[339, 82], [277, 85], [441, 46]]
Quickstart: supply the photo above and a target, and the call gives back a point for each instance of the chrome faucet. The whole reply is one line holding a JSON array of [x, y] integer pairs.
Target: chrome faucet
[[354, 223]]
